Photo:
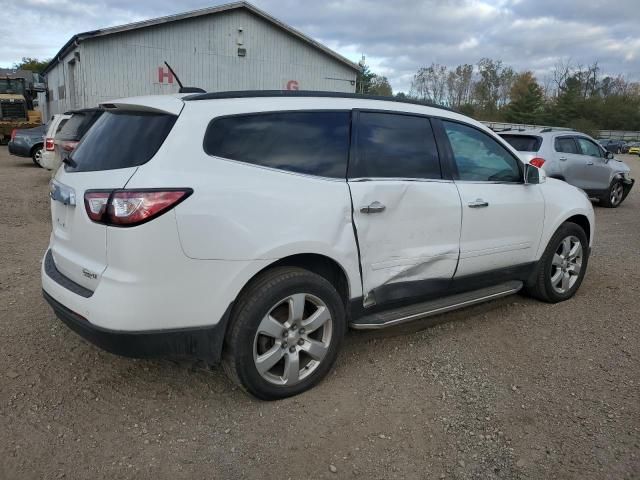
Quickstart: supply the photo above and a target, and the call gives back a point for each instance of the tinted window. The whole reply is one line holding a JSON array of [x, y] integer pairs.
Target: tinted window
[[587, 147], [479, 157], [523, 143], [79, 123], [391, 145], [121, 140], [61, 125], [315, 143], [566, 145]]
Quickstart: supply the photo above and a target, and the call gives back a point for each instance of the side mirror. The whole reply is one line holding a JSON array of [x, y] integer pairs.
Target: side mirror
[[532, 175], [609, 155]]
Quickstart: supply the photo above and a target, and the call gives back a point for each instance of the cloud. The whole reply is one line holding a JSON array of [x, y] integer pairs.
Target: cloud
[[397, 37]]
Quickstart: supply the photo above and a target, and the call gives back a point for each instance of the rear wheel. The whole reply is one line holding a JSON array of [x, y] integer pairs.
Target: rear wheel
[[614, 196], [562, 267], [285, 334], [36, 155]]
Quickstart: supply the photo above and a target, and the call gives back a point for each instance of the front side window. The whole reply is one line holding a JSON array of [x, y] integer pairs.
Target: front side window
[[479, 157], [566, 145], [587, 147], [395, 146], [313, 143]]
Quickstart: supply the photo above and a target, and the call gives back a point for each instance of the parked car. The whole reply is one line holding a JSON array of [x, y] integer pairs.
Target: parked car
[[65, 141], [48, 159], [613, 146], [28, 143], [255, 227], [577, 159], [634, 148]]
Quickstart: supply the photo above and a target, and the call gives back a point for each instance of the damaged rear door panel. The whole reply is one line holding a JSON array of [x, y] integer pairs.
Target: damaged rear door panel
[[407, 216]]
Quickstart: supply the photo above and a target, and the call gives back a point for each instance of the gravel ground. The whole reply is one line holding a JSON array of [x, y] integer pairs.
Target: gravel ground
[[509, 389]]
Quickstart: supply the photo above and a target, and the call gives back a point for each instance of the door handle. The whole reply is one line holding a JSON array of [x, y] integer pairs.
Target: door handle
[[479, 203], [589, 163], [563, 159], [375, 207]]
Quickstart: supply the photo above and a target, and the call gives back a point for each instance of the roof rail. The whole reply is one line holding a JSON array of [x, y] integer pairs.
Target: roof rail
[[551, 129], [305, 93]]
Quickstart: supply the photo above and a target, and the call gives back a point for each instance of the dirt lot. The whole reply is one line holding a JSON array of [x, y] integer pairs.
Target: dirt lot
[[510, 389]]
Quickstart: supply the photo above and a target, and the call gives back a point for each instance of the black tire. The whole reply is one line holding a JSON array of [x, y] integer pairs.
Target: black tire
[[614, 196], [618, 151], [36, 154], [254, 303], [540, 286]]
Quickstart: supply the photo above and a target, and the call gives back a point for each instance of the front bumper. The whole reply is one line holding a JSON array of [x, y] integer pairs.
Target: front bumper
[[202, 343]]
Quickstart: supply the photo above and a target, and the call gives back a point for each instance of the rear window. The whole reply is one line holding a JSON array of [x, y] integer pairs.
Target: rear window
[[75, 128], [121, 140], [62, 123], [524, 143], [314, 143]]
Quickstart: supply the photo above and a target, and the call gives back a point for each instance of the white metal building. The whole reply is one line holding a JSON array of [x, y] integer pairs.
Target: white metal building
[[229, 47]]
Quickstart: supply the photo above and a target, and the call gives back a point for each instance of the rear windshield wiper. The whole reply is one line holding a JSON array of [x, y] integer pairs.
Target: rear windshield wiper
[[69, 161]]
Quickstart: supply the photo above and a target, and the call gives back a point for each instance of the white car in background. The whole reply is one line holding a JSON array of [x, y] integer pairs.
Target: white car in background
[[256, 227], [48, 158]]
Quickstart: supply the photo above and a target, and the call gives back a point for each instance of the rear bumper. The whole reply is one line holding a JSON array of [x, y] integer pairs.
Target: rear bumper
[[19, 148], [202, 343]]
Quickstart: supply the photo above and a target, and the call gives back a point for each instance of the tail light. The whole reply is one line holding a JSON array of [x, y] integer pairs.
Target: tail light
[[127, 208], [537, 162], [48, 144], [13, 133]]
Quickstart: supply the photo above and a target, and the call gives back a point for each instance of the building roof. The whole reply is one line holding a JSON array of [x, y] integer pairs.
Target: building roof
[[194, 14]]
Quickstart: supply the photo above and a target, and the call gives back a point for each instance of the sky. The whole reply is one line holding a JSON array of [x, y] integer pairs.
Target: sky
[[397, 37]]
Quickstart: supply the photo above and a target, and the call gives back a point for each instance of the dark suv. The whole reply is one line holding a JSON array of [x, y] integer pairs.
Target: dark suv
[[613, 146]]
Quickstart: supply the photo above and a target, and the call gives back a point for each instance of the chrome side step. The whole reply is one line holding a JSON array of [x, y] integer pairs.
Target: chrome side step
[[398, 316]]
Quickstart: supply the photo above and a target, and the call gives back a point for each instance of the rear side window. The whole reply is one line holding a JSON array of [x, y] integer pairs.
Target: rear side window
[[121, 140], [313, 143], [79, 123], [523, 143], [395, 146], [566, 145]]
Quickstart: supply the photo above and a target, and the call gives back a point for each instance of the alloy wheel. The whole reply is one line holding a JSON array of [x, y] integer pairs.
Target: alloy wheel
[[617, 191], [292, 339], [566, 264]]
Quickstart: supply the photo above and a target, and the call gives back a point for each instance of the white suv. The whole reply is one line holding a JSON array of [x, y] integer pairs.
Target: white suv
[[255, 227]]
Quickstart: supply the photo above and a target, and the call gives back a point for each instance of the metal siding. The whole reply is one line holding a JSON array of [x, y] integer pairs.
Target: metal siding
[[204, 53]]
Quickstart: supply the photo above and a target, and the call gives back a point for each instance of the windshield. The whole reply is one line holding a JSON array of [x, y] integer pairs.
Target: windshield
[[12, 85]]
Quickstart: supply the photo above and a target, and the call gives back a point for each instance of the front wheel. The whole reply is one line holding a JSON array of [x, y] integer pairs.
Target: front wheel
[[614, 196], [562, 266], [285, 333]]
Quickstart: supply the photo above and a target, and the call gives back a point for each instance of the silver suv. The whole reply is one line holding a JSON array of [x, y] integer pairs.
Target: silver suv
[[577, 159]]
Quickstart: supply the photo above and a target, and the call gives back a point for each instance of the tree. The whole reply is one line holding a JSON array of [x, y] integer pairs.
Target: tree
[[364, 79], [430, 84], [380, 86], [567, 103], [32, 64], [459, 85], [527, 101]]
